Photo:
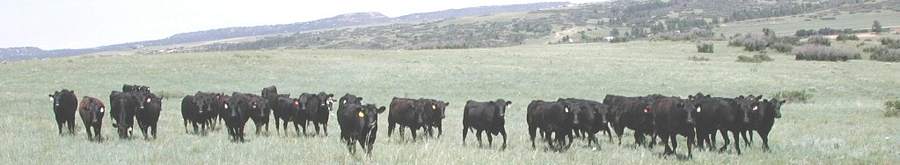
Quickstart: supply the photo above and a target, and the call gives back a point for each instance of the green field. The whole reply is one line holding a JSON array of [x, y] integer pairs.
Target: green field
[[842, 125], [788, 25]]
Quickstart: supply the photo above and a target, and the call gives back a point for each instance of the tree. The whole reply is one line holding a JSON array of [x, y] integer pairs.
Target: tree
[[876, 27]]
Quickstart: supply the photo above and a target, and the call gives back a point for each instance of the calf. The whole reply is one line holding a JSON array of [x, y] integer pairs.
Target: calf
[[190, 112], [633, 113], [434, 115], [257, 111], [91, 110], [488, 117], [237, 114], [591, 117], [124, 107], [406, 113], [762, 118], [673, 116], [309, 104], [64, 107], [359, 123], [271, 95], [552, 118], [319, 115], [148, 115], [283, 110]]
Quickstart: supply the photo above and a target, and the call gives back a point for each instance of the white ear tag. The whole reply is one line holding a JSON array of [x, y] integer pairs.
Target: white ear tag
[[361, 114], [101, 110], [433, 107], [755, 108], [567, 110], [226, 106], [698, 109]]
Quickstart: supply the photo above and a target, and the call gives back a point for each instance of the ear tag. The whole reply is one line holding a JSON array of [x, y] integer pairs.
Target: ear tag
[[434, 107], [698, 109], [567, 110], [755, 108], [361, 114], [101, 110]]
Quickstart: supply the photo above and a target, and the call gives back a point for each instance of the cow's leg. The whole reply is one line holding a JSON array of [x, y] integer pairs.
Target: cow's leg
[[690, 146], [297, 128], [744, 135], [668, 150], [490, 138], [391, 126], [764, 135], [59, 125], [464, 132], [737, 145], [186, 130], [97, 132], [87, 129], [316, 125], [153, 126], [277, 124], [549, 139], [71, 124], [194, 123], [503, 133], [413, 132], [725, 138], [325, 128], [440, 130], [478, 136], [531, 134]]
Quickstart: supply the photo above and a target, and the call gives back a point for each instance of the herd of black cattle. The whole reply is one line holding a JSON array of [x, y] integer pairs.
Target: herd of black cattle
[[558, 122]]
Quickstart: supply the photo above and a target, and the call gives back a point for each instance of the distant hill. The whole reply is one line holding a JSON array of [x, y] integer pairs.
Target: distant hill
[[340, 21]]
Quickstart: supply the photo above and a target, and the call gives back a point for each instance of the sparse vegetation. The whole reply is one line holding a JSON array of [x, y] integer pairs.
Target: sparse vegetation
[[847, 37], [758, 58], [794, 96], [705, 48], [698, 58], [890, 43], [824, 53], [819, 40], [886, 55], [782, 47], [892, 108]]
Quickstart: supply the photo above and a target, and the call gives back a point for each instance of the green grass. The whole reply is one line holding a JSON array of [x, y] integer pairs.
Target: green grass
[[843, 126]]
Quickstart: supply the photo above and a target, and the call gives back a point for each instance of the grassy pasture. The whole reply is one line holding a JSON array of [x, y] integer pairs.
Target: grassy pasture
[[843, 124], [788, 25]]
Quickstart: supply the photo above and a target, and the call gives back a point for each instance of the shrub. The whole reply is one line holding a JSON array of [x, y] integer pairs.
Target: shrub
[[705, 48], [891, 43], [892, 108], [759, 58], [802, 96], [750, 42], [698, 58], [824, 53], [845, 37], [818, 40], [619, 40], [782, 47], [887, 55]]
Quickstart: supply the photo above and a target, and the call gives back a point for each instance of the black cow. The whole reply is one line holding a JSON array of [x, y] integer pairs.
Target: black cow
[[190, 112], [257, 111], [359, 123], [408, 113], [91, 111], [148, 115], [434, 115], [309, 104], [271, 95], [591, 117], [722, 114], [552, 118], [283, 111], [237, 114], [64, 106], [673, 116], [318, 114], [762, 118], [633, 113], [488, 117], [125, 105], [207, 103]]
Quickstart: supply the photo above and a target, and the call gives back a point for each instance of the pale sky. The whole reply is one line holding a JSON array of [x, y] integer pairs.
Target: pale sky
[[55, 24]]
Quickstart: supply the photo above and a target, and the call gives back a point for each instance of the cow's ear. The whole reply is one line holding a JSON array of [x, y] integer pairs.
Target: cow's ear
[[51, 95], [446, 104], [508, 102], [690, 97], [758, 97], [360, 99], [380, 109], [708, 95], [782, 101], [741, 97]]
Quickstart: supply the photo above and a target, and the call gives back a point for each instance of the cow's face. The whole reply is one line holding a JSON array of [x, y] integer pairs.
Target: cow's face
[[689, 109], [370, 115], [55, 98], [441, 108], [502, 105]]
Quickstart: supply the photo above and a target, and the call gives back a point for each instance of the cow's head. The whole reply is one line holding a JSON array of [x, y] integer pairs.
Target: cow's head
[[55, 97], [441, 108], [327, 101], [502, 105], [370, 114], [689, 109]]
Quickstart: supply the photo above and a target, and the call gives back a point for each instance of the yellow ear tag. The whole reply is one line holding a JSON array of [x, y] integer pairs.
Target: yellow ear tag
[[361, 114]]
